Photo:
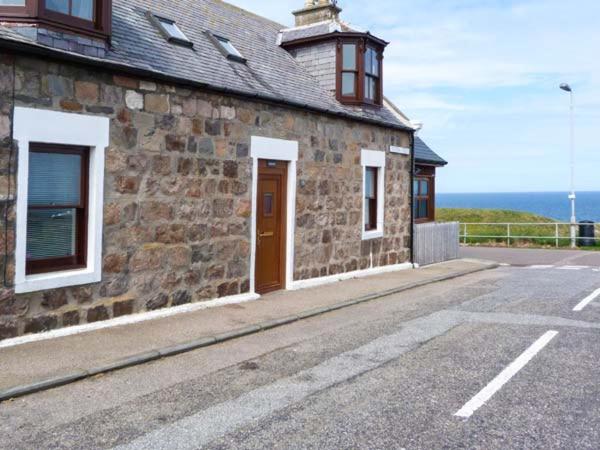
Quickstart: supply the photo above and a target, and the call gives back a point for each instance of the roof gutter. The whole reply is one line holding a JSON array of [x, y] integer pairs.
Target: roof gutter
[[36, 50], [425, 162]]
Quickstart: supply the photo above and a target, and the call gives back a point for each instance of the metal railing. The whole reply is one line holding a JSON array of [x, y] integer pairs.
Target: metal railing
[[558, 234]]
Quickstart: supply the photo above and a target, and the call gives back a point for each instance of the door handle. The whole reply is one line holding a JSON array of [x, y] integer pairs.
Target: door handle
[[268, 234]]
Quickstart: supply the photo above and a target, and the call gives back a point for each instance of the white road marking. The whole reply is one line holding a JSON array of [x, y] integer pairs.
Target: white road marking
[[586, 301], [573, 267], [540, 266], [496, 384], [200, 429]]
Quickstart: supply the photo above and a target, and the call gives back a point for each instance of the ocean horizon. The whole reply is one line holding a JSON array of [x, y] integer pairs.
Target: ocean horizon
[[554, 205]]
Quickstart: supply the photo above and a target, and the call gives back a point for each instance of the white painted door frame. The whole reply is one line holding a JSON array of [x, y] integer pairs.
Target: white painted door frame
[[276, 150]]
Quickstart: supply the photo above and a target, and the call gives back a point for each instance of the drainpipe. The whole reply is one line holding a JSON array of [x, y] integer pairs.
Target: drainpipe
[[9, 200], [412, 209]]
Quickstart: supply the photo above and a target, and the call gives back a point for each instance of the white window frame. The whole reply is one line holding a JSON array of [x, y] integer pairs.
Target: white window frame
[[374, 158], [52, 127]]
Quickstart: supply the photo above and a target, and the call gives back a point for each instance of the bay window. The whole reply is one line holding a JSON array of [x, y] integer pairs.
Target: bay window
[[359, 78], [83, 9], [89, 17]]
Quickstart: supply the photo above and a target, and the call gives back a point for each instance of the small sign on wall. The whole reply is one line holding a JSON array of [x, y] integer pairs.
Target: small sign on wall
[[400, 150]]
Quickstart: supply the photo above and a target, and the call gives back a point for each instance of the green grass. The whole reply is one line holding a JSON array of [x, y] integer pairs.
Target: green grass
[[514, 217]]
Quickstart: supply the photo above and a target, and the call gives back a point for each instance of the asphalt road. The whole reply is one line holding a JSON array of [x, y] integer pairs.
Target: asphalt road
[[494, 360], [529, 256]]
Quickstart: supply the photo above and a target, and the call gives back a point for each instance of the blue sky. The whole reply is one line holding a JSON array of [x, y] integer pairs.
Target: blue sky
[[483, 76]]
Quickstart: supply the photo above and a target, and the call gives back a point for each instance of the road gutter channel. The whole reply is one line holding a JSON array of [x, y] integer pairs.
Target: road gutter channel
[[153, 355]]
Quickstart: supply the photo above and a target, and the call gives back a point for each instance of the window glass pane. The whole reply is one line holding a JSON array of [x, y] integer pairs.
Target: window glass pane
[[371, 62], [348, 84], [50, 233], [367, 214], [416, 187], [54, 179], [375, 64], [172, 29], [12, 2], [268, 204], [370, 188], [423, 206], [83, 9], [370, 88], [424, 187], [349, 56], [228, 47], [61, 6]]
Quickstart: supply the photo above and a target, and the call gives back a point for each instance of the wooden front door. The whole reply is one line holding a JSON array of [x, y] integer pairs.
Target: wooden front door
[[271, 226]]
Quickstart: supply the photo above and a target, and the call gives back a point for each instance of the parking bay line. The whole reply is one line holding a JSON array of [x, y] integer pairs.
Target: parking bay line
[[573, 267], [505, 376], [586, 301]]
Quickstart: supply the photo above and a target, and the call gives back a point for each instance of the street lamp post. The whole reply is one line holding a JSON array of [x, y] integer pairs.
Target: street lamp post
[[565, 87]]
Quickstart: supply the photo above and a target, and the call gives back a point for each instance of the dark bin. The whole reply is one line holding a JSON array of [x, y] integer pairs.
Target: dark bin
[[587, 233]]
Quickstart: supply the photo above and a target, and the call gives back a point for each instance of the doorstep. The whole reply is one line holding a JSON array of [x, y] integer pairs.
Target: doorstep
[[44, 364]]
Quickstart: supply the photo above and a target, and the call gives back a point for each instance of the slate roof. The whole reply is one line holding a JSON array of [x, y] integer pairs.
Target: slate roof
[[271, 73], [424, 154], [318, 29], [315, 30]]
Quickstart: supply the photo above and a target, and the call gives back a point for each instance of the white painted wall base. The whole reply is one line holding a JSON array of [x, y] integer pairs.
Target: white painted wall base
[[313, 282], [176, 310], [128, 320]]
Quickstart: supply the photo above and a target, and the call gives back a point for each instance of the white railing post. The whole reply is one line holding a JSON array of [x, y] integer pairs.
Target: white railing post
[[508, 233], [465, 235], [557, 237]]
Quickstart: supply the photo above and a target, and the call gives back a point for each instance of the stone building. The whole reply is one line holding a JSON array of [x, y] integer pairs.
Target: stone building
[[157, 153]]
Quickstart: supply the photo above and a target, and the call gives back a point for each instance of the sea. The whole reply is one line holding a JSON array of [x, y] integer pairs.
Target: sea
[[554, 205]]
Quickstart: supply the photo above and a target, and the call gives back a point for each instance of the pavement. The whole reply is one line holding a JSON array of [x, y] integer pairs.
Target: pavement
[[527, 257], [508, 346], [46, 364]]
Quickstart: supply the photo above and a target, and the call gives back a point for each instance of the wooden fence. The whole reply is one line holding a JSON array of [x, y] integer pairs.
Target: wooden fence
[[436, 242]]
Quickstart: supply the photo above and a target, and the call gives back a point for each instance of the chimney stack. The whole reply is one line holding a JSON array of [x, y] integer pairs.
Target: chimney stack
[[316, 11]]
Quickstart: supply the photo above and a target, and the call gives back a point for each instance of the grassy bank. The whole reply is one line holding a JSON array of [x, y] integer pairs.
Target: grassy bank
[[486, 234]]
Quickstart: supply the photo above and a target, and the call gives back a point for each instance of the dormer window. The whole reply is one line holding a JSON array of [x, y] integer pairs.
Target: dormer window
[[89, 17], [359, 79]]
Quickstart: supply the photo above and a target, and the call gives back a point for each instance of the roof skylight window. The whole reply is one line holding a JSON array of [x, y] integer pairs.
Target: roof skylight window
[[227, 48], [170, 30]]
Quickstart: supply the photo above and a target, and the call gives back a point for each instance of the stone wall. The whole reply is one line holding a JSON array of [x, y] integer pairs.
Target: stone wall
[[178, 193]]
